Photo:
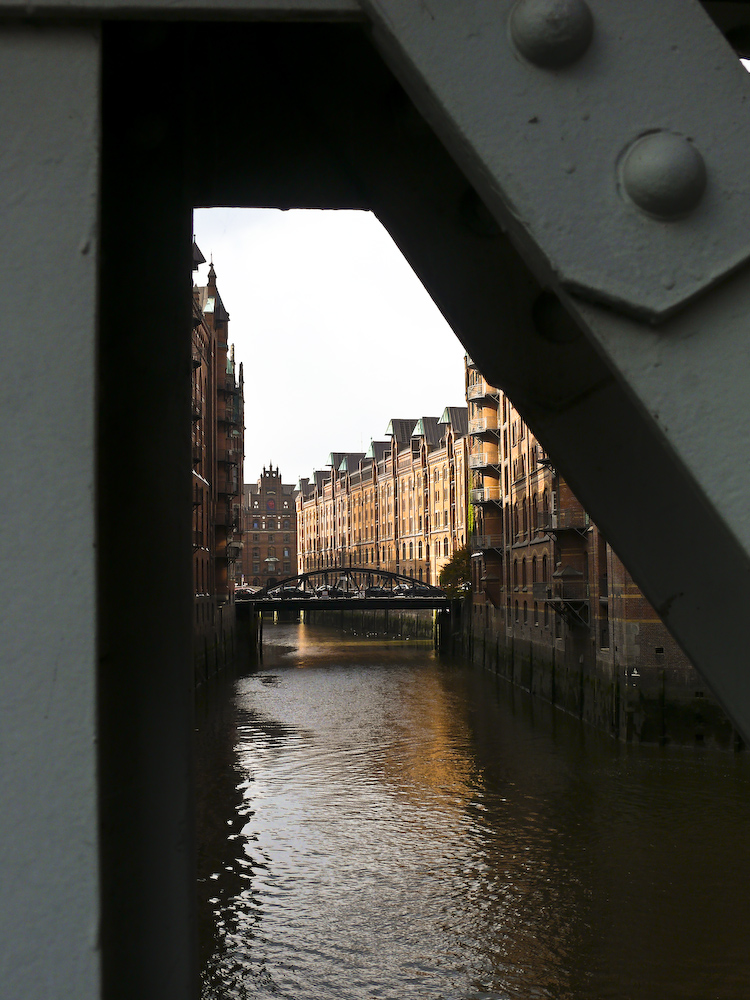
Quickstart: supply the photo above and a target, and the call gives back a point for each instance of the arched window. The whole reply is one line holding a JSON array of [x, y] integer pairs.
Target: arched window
[[516, 610], [427, 552], [515, 572], [365, 557], [419, 553], [523, 572], [411, 550], [403, 551], [525, 612], [544, 568], [445, 546], [533, 570]]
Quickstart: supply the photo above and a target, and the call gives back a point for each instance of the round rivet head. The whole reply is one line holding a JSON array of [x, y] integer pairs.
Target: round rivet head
[[551, 33], [664, 175]]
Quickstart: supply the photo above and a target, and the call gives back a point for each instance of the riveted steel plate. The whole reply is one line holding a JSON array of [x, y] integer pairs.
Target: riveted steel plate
[[544, 146]]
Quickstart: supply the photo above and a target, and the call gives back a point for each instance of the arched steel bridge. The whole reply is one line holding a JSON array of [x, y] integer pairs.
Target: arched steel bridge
[[360, 587]]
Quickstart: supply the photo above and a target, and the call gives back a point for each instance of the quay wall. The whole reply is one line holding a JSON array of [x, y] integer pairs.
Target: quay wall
[[216, 646], [632, 695]]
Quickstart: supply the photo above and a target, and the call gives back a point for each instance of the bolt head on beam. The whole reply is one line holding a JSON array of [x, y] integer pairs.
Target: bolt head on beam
[[551, 33], [664, 175]]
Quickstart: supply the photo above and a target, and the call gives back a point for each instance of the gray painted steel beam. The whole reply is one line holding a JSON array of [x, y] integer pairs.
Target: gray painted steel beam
[[653, 450]]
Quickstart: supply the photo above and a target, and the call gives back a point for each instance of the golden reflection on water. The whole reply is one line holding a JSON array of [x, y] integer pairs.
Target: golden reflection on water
[[405, 834]]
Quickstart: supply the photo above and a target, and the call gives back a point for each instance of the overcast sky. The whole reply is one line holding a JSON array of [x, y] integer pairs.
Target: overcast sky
[[336, 333]]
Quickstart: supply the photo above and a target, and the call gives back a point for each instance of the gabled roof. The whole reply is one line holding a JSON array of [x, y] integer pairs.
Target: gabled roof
[[377, 450], [458, 418], [198, 257], [400, 429], [427, 427], [350, 462]]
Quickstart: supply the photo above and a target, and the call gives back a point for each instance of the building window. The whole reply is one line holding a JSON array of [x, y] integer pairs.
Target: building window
[[419, 550], [525, 612], [445, 547]]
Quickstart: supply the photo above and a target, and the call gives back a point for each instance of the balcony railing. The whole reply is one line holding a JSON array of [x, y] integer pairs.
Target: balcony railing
[[228, 487], [484, 542], [227, 384], [228, 456], [480, 425], [480, 390], [196, 409], [571, 590], [224, 516], [228, 413], [486, 494], [482, 460], [564, 520]]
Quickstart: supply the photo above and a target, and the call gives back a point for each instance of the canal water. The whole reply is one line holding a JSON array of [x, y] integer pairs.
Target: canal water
[[376, 821]]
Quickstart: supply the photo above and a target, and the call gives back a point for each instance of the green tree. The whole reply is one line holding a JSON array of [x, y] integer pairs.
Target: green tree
[[455, 576]]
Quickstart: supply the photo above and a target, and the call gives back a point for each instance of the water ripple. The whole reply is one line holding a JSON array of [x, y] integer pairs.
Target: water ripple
[[394, 829]]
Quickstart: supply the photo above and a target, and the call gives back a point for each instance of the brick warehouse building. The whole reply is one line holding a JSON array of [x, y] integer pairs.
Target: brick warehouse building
[[270, 530], [217, 457], [554, 608], [401, 506]]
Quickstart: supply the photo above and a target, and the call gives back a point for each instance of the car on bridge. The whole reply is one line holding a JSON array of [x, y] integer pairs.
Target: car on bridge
[[289, 590], [327, 590]]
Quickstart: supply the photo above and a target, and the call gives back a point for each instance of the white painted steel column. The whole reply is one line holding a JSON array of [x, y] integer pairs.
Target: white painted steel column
[[49, 133]]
